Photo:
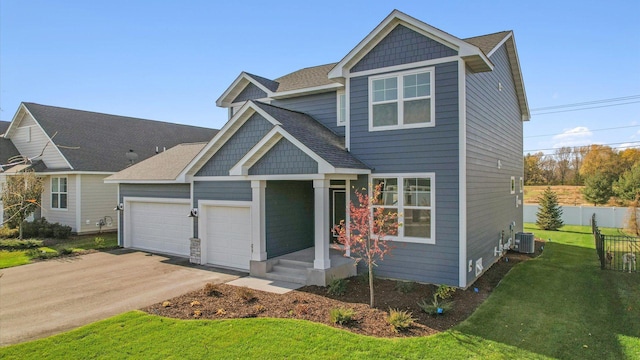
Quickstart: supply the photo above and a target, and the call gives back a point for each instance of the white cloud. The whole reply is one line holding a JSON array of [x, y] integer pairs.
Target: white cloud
[[634, 144], [578, 136]]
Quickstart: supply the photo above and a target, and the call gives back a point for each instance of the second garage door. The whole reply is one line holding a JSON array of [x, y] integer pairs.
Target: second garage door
[[158, 226], [228, 236]]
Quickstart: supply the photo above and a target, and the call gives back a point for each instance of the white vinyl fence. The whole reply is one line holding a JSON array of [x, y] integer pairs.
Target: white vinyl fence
[[613, 217]]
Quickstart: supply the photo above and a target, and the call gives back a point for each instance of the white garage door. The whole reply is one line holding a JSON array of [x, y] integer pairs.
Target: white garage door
[[159, 226], [228, 236]]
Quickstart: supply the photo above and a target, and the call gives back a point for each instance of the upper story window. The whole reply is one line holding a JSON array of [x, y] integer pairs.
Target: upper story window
[[513, 185], [341, 108], [58, 192], [401, 100]]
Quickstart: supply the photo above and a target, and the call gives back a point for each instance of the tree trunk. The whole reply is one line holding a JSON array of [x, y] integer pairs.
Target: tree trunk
[[370, 284], [20, 230]]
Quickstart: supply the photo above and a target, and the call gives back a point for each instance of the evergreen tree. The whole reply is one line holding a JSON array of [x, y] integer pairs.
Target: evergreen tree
[[598, 188], [549, 216]]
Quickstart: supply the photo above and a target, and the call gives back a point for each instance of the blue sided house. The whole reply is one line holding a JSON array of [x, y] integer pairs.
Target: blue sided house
[[436, 119]]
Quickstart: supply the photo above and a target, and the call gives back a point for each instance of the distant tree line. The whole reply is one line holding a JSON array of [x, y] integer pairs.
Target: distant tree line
[[604, 171]]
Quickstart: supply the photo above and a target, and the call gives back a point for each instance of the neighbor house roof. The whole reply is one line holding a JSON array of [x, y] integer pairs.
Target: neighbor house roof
[[7, 149], [165, 166], [92, 141]]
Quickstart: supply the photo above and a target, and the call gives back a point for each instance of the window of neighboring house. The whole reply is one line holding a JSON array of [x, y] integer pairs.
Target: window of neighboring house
[[341, 108], [59, 193], [412, 197], [401, 100], [521, 184], [513, 184]]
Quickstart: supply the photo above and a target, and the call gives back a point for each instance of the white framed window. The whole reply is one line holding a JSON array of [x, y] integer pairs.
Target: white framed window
[[513, 185], [521, 184], [412, 197], [402, 100], [59, 193], [341, 107]]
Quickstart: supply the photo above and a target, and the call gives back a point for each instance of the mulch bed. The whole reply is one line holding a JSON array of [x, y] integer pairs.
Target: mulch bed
[[313, 303]]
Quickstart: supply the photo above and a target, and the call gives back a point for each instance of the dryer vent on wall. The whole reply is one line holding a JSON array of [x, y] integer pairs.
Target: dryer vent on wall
[[524, 243]]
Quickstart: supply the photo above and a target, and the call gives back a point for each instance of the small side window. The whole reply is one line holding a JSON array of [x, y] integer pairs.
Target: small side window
[[513, 184], [341, 108], [521, 184]]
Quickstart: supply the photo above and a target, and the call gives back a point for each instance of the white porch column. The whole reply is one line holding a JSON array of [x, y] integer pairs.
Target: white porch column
[[258, 237], [321, 224]]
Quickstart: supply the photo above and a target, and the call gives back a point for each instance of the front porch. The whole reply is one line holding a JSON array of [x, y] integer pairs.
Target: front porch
[[298, 267]]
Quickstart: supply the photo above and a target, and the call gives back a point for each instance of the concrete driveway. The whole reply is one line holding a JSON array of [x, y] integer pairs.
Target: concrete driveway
[[45, 298]]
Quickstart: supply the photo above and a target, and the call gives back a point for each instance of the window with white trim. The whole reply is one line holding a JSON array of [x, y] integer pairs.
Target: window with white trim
[[59, 193], [412, 197], [341, 109], [513, 184], [401, 100], [521, 184]]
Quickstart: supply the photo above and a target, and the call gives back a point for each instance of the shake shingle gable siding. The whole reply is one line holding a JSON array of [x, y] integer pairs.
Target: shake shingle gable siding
[[98, 142], [254, 129], [296, 161], [250, 92], [402, 46]]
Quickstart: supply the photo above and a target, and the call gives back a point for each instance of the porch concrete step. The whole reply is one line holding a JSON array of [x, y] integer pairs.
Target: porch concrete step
[[295, 263], [289, 270], [287, 276]]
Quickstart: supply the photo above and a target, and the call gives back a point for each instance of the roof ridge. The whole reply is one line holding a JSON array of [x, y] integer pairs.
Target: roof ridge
[[115, 115], [493, 33]]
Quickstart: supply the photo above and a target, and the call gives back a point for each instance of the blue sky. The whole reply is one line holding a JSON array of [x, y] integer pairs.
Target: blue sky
[[170, 60]]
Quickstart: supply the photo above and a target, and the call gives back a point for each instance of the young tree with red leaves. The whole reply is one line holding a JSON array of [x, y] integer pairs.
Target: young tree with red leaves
[[369, 224]]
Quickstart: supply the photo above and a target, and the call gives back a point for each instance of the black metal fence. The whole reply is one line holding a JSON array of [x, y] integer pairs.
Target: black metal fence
[[616, 252]]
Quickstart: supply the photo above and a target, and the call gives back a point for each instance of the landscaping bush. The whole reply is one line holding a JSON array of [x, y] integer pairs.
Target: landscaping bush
[[8, 233], [337, 287], [405, 287], [15, 244], [246, 294], [211, 289], [439, 305], [65, 251], [41, 228], [400, 320], [341, 315], [41, 254]]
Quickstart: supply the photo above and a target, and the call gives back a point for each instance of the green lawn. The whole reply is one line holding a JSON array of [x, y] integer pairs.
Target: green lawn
[[13, 258], [560, 305], [74, 244]]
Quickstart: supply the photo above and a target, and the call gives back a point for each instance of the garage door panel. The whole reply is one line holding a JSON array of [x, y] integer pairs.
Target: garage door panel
[[158, 226], [228, 236]]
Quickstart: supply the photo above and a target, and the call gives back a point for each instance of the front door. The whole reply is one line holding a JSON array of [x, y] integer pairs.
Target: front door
[[337, 208]]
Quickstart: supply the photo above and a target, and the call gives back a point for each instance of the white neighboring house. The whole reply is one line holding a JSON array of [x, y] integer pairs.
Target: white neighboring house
[[75, 150], [7, 151]]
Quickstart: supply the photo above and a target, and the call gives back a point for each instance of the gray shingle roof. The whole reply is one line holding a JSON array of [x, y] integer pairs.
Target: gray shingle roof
[[269, 84], [306, 78], [7, 149], [166, 165], [486, 43], [322, 141], [93, 141]]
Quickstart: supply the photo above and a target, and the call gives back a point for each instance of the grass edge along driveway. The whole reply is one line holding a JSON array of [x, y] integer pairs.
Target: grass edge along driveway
[[560, 305]]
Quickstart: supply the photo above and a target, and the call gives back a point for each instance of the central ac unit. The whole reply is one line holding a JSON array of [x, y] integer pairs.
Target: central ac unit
[[525, 243]]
